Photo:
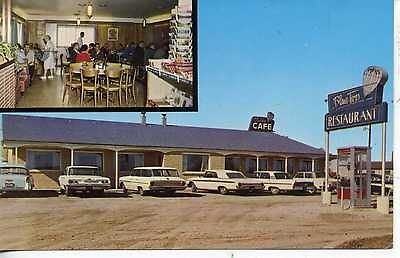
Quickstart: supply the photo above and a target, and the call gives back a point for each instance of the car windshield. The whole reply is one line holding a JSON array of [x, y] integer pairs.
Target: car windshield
[[13, 170], [280, 176], [263, 175], [165, 172], [235, 175], [84, 171]]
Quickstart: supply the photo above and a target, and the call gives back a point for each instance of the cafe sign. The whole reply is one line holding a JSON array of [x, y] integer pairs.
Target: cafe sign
[[359, 106], [262, 124]]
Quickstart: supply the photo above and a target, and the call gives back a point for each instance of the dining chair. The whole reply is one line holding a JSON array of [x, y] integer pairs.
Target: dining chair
[[128, 83], [89, 76], [114, 82], [72, 79]]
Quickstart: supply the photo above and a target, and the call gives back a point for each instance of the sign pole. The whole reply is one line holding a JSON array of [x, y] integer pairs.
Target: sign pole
[[326, 195], [369, 136], [383, 158], [326, 160]]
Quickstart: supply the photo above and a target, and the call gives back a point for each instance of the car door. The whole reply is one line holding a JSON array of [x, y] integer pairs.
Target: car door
[[208, 182], [130, 181]]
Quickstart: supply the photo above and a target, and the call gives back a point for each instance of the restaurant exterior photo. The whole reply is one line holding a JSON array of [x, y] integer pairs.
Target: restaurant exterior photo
[[47, 146]]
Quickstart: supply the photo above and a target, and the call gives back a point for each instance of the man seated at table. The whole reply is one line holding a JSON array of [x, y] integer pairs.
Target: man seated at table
[[73, 52], [83, 56]]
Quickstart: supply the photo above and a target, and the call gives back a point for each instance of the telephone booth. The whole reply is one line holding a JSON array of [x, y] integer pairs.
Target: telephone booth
[[354, 176]]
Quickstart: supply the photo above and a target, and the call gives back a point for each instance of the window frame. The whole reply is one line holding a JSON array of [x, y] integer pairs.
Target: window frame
[[197, 154], [45, 150], [75, 37], [129, 153], [93, 152]]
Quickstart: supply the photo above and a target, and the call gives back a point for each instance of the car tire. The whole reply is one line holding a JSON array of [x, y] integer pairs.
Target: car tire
[[99, 192], [124, 189], [68, 191], [222, 190], [194, 188], [275, 190], [313, 190], [171, 192], [141, 191]]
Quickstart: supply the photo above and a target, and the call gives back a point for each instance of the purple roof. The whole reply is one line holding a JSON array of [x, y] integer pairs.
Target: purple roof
[[59, 130]]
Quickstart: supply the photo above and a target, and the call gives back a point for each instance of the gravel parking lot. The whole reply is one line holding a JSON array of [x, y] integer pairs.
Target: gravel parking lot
[[45, 220]]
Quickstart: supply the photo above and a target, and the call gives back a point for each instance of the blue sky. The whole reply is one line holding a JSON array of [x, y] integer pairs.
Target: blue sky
[[284, 56]]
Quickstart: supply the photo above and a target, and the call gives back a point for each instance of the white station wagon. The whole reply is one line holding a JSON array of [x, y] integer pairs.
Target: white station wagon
[[15, 178], [152, 179], [84, 179], [225, 181]]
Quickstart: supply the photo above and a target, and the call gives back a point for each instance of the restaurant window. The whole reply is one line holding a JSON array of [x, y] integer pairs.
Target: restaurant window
[[279, 165], [263, 165], [89, 159], [306, 165], [129, 161], [195, 162], [43, 160], [250, 165], [68, 34], [232, 163]]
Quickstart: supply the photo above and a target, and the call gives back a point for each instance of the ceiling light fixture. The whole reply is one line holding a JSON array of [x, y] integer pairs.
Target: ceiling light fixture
[[90, 10]]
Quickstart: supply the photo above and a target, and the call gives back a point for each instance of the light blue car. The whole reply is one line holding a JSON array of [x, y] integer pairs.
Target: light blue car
[[15, 178]]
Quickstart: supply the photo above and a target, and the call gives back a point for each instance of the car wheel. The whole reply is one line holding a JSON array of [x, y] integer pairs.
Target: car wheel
[[312, 190], [194, 188], [171, 192], [274, 190], [141, 191], [124, 188], [62, 191], [222, 190], [99, 192], [68, 191]]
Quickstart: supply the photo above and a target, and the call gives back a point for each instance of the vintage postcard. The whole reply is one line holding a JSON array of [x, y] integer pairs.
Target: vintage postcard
[[289, 144]]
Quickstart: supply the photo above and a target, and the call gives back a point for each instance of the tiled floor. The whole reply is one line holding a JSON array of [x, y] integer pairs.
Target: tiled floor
[[48, 94]]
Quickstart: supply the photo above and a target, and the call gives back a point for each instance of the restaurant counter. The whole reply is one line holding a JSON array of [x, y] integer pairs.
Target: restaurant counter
[[8, 85], [165, 89]]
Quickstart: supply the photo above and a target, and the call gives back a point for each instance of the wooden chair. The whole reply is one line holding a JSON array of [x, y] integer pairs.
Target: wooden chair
[[128, 83], [89, 76], [114, 83], [72, 79]]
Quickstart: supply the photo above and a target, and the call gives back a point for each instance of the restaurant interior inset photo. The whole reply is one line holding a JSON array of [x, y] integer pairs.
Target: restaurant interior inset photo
[[89, 54]]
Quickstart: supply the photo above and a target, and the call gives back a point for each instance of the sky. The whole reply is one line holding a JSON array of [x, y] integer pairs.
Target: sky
[[284, 56]]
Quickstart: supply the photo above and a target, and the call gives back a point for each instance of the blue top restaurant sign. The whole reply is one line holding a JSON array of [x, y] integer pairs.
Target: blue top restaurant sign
[[359, 106]]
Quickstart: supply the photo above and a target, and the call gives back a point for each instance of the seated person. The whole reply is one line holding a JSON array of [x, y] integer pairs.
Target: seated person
[[83, 56], [20, 55], [73, 52]]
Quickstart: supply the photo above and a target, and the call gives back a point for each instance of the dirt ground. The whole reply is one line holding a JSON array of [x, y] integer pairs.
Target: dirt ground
[[47, 221]]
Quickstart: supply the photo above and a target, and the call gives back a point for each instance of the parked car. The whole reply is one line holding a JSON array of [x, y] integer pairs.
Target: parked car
[[376, 184], [317, 178], [225, 181], [277, 181], [83, 179], [152, 179], [15, 178]]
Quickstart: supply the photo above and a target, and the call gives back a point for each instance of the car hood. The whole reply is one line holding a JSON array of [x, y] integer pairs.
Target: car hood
[[77, 177], [170, 178]]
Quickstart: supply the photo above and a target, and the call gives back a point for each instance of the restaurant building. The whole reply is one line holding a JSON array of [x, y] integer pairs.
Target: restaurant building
[[47, 145]]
